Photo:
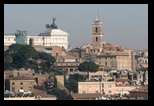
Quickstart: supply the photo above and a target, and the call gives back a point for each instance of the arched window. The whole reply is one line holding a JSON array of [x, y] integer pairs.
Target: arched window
[[56, 54], [31, 41], [96, 29], [96, 39]]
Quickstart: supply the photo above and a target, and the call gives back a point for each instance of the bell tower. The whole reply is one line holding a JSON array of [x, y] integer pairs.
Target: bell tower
[[97, 33]]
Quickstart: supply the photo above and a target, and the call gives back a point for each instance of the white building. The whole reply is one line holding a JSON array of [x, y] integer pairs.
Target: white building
[[52, 37], [9, 39]]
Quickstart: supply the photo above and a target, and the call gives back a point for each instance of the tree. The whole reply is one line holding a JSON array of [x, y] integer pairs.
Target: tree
[[7, 62], [55, 83], [72, 85], [14, 48], [143, 69], [25, 56], [18, 60], [61, 94], [47, 57], [20, 54], [72, 82], [27, 52], [88, 67]]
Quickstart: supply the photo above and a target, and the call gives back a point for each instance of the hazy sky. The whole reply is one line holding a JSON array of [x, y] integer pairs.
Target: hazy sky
[[123, 24]]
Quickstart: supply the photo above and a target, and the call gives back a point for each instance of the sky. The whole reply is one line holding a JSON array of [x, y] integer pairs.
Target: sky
[[123, 24]]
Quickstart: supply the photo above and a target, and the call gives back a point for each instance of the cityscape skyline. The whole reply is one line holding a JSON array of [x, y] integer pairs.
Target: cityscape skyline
[[129, 29]]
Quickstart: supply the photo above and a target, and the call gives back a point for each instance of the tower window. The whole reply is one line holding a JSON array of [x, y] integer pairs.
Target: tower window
[[96, 29], [96, 39], [106, 63]]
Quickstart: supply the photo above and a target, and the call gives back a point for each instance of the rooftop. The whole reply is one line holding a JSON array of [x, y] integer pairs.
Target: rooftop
[[41, 93], [23, 78], [86, 96], [141, 89], [113, 54], [66, 57], [120, 79]]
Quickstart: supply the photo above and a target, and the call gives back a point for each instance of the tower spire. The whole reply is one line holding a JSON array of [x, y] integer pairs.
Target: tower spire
[[97, 16]]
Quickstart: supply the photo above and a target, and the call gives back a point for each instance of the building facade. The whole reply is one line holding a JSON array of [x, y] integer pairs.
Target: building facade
[[22, 83], [103, 87], [89, 87], [140, 93], [52, 37], [117, 60]]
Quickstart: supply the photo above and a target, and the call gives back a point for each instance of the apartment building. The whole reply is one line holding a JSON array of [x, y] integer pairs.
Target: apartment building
[[118, 60], [104, 87], [140, 93], [22, 83], [68, 63]]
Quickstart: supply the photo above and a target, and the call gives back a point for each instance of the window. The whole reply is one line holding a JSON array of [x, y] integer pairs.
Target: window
[[101, 69], [106, 63], [21, 83], [71, 70], [111, 64], [99, 62], [90, 86], [56, 54], [83, 86], [96, 86], [102, 85], [109, 86], [143, 97], [103, 90], [96, 39], [76, 70], [8, 39], [96, 91], [110, 91], [96, 29], [83, 91], [13, 83], [21, 88]]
